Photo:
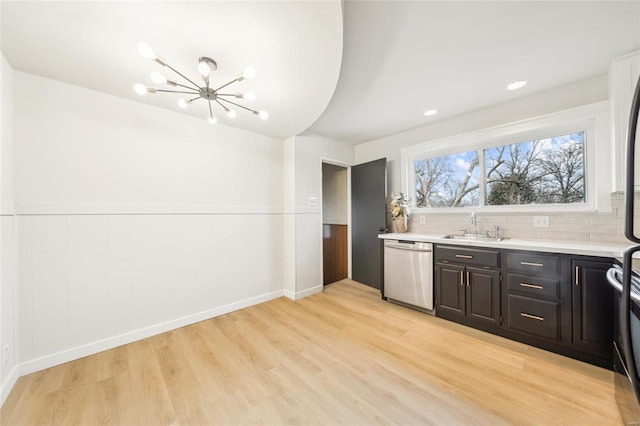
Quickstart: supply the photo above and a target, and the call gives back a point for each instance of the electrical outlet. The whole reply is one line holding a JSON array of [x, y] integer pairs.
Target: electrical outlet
[[313, 201], [422, 220], [541, 221], [5, 354]]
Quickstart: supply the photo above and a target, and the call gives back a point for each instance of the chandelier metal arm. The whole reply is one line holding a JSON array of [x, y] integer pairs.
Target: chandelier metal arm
[[176, 91], [225, 85], [185, 86], [210, 110], [220, 103], [238, 105], [181, 75]]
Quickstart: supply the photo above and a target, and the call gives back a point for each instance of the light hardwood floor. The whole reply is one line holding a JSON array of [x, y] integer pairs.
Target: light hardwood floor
[[339, 357]]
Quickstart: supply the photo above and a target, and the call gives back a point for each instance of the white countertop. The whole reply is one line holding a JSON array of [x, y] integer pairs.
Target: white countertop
[[569, 247]]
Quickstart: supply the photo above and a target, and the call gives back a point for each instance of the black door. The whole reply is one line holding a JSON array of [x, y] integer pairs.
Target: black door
[[368, 217]]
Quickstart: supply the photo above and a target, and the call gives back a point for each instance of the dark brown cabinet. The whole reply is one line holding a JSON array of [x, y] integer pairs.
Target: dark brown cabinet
[[483, 295], [592, 300], [532, 316], [554, 301], [450, 289], [534, 296], [468, 284]]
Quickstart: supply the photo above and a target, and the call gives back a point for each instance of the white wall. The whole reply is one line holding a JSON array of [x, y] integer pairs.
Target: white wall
[[8, 293], [303, 261], [80, 151], [134, 220]]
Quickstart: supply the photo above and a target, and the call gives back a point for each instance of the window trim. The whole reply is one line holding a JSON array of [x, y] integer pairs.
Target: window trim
[[593, 119]]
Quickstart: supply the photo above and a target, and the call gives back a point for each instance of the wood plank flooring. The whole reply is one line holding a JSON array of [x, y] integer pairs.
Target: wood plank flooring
[[340, 357]]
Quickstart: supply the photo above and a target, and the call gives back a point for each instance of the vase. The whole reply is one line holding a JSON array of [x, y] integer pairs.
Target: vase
[[401, 224]]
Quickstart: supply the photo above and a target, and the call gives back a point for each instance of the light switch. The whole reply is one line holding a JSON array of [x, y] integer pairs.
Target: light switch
[[313, 201], [422, 220]]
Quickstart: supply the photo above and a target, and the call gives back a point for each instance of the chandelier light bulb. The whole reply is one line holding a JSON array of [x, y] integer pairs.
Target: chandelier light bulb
[[231, 113], [212, 119], [183, 103], [250, 95], [158, 78], [249, 72], [204, 69], [146, 51], [263, 115], [140, 89]]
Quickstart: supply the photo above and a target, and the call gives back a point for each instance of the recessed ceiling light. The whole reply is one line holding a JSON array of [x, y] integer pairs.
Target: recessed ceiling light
[[517, 84], [430, 112]]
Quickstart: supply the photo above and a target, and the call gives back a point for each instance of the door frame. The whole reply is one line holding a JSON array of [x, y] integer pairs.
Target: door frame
[[348, 167]]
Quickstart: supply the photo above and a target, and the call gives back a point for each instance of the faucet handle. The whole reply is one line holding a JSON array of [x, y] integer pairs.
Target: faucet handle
[[464, 231]]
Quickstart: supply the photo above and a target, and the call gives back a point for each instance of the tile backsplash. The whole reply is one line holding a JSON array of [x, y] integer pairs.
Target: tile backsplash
[[587, 227]]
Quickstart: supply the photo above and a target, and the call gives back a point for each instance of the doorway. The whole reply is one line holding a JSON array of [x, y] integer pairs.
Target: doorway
[[335, 219]]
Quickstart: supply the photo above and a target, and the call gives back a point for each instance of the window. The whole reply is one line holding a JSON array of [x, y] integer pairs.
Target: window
[[448, 181], [558, 162], [540, 171]]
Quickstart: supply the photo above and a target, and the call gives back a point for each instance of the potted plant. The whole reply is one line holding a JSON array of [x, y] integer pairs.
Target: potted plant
[[400, 211]]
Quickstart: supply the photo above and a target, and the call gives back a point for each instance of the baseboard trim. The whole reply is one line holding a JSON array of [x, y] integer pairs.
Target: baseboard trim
[[304, 293], [8, 384], [77, 352]]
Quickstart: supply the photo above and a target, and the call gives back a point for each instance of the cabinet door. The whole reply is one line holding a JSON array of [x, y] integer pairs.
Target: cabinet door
[[483, 294], [592, 307], [451, 288]]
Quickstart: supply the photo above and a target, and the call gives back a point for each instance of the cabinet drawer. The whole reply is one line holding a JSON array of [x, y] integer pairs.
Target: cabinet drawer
[[468, 256], [534, 263], [533, 285], [533, 316]]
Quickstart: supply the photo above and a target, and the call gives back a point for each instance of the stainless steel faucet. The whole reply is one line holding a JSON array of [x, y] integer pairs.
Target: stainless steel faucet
[[474, 222]]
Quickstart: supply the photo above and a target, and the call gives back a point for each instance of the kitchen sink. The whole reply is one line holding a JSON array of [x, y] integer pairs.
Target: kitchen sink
[[474, 237]]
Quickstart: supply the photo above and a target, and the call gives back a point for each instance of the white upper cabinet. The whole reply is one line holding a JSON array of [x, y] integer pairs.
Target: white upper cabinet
[[623, 76]]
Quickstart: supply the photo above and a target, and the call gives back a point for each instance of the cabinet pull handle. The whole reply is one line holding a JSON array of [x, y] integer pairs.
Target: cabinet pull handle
[[461, 277], [532, 264], [577, 272], [535, 317], [468, 280], [539, 287], [464, 256]]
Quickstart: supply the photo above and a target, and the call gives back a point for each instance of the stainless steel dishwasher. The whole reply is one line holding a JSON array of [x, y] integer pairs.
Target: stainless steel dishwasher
[[408, 274]]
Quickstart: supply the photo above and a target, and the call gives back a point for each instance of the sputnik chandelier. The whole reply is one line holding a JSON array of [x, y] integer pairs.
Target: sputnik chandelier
[[195, 92]]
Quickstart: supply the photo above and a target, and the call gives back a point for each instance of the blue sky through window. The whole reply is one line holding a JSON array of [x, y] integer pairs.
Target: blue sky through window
[[542, 171]]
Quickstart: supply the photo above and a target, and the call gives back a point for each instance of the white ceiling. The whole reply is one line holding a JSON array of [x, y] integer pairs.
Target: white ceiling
[[296, 48], [402, 58], [399, 58]]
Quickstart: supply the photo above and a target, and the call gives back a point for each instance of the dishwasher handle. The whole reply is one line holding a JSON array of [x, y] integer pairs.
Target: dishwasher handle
[[407, 248], [408, 245]]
